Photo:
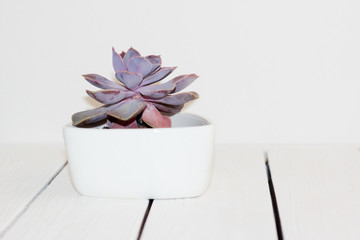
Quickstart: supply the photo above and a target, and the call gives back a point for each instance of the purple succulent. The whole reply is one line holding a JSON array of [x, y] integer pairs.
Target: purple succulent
[[137, 100]]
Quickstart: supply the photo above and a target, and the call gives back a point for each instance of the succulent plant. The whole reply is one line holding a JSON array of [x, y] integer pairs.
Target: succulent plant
[[137, 100]]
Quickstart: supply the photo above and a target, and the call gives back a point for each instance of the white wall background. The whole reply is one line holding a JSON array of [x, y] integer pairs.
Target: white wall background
[[275, 71]]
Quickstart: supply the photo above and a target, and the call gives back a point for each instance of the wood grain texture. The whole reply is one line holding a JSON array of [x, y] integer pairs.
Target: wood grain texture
[[317, 190], [24, 171], [61, 213], [237, 204]]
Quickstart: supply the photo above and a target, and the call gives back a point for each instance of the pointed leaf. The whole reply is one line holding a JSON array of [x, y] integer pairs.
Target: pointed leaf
[[128, 110], [101, 82], [177, 99], [158, 75], [168, 110], [122, 54], [130, 54], [89, 116], [139, 65], [118, 62], [157, 91], [152, 117], [130, 80], [109, 96], [155, 60], [183, 81], [119, 125]]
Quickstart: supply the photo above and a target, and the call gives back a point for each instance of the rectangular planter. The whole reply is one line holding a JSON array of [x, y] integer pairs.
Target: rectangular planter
[[150, 163]]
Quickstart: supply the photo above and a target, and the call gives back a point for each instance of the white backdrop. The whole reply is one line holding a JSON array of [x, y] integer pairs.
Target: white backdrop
[[275, 71]]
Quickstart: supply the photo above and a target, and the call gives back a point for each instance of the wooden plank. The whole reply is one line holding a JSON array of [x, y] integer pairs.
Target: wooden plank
[[24, 171], [237, 204], [61, 213], [317, 190]]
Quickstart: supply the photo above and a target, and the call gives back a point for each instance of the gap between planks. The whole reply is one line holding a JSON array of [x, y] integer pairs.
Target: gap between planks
[[147, 212], [273, 198], [18, 216]]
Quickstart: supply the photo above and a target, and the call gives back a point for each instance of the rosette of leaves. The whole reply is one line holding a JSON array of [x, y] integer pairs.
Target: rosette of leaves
[[138, 99]]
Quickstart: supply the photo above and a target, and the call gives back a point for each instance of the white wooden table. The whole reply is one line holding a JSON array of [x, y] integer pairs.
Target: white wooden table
[[307, 192]]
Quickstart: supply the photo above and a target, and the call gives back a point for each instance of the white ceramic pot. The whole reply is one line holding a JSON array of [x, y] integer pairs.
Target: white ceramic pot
[[151, 163]]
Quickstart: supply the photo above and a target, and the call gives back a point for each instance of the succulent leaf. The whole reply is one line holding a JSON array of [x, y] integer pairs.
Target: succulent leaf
[[109, 96], [115, 125], [158, 75], [127, 110], [139, 65], [168, 110], [157, 91], [89, 116], [130, 79], [155, 60], [152, 117], [183, 81], [118, 62], [177, 99], [130, 54], [101, 82]]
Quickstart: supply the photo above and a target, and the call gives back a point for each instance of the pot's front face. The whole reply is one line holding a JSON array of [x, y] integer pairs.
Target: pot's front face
[[142, 163]]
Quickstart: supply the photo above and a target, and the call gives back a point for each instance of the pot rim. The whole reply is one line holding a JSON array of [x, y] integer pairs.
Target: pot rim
[[202, 123]]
